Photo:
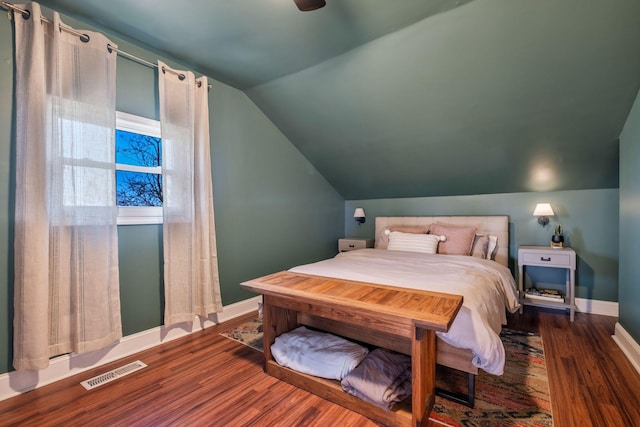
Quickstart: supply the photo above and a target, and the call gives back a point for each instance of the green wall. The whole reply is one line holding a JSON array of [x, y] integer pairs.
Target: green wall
[[589, 218], [273, 209], [630, 223]]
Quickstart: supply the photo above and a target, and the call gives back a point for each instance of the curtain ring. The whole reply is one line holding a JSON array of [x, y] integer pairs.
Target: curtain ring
[[109, 49], [26, 14], [163, 70], [199, 83], [181, 76], [84, 38]]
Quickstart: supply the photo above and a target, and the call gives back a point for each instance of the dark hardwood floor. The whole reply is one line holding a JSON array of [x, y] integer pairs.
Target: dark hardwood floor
[[208, 380]]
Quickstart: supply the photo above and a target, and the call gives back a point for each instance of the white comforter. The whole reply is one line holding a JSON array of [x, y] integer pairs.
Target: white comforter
[[487, 287]]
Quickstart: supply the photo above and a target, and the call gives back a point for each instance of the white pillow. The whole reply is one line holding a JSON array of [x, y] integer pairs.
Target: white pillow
[[426, 243], [491, 247]]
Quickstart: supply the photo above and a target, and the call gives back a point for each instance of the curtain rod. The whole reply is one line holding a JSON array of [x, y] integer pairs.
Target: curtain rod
[[85, 38]]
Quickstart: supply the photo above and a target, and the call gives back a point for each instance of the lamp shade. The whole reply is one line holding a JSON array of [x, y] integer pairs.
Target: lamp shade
[[543, 209], [359, 213]]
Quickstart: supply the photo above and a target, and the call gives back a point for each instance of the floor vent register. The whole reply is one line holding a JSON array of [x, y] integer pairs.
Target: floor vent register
[[112, 375]]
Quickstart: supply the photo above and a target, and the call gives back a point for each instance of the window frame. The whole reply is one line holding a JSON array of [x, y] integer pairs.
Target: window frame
[[138, 215]]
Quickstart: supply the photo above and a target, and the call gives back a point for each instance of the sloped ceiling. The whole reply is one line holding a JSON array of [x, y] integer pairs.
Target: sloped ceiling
[[416, 97]]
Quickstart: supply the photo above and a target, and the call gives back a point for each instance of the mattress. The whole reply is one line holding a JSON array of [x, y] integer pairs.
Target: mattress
[[488, 289]]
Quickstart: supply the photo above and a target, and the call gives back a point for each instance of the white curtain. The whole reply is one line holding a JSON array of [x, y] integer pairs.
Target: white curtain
[[66, 259], [191, 282]]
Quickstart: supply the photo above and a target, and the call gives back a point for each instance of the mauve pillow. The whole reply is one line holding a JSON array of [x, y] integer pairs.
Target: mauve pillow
[[459, 239]]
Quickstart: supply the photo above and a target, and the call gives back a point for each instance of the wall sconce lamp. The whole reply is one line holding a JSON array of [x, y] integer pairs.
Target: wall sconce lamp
[[359, 215], [543, 211]]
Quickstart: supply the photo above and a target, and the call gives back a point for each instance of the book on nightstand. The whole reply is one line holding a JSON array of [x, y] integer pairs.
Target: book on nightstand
[[544, 294]]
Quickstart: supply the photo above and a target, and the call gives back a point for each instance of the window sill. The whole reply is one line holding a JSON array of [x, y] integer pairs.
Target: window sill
[[130, 215]]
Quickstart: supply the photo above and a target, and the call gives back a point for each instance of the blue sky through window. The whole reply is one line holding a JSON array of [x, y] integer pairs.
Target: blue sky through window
[[138, 187], [137, 149]]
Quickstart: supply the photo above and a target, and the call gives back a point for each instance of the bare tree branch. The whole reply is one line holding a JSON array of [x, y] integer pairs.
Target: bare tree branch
[[138, 188]]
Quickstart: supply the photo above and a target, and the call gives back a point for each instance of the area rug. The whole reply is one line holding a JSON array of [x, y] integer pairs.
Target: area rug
[[249, 334], [518, 398]]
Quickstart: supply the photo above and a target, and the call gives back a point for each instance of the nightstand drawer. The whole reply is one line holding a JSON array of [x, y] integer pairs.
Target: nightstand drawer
[[546, 259], [350, 244]]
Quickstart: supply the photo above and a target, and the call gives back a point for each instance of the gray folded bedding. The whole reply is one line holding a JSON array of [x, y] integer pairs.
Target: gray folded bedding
[[382, 378]]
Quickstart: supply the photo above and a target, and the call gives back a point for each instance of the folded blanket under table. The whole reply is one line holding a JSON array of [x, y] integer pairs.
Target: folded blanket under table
[[382, 378], [317, 353]]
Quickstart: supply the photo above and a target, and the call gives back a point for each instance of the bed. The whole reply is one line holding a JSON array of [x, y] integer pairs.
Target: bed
[[471, 341], [483, 280]]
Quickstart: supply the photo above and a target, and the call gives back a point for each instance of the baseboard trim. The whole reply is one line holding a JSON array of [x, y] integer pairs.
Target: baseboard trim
[[628, 345], [592, 306], [17, 382]]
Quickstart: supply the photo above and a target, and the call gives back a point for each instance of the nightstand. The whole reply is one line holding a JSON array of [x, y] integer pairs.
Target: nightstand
[[544, 256], [353, 243]]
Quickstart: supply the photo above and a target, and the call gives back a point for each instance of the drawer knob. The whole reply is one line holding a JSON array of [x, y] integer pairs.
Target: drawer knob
[[545, 259]]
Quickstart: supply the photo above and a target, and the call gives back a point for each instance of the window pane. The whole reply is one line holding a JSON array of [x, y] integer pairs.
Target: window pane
[[138, 170], [138, 150], [78, 141], [138, 189], [87, 186]]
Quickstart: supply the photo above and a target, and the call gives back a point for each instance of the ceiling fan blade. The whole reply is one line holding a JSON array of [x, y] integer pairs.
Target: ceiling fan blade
[[307, 5]]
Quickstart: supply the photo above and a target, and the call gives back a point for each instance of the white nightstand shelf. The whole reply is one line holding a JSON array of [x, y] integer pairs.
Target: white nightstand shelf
[[544, 256], [353, 243]]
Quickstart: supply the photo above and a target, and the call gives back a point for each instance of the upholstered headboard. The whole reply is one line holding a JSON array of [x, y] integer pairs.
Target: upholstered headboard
[[486, 225]]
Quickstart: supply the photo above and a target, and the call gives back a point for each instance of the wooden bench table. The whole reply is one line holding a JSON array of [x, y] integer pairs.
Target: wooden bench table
[[408, 314]]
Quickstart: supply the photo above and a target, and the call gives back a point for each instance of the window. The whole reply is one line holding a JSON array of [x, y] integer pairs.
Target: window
[[138, 170]]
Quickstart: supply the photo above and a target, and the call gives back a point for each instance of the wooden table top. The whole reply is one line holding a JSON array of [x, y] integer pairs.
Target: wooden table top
[[425, 309]]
